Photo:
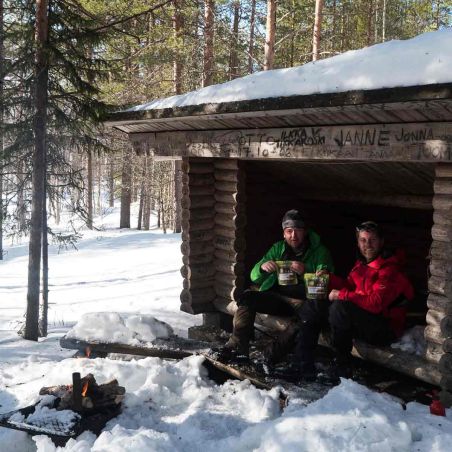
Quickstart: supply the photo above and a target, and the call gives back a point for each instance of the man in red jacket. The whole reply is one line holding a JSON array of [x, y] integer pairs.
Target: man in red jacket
[[368, 305]]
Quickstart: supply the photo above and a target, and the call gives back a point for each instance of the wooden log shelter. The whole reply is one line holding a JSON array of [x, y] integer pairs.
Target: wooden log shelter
[[341, 158]]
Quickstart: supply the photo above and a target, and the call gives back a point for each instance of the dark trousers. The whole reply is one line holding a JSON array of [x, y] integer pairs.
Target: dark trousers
[[266, 302], [347, 322]]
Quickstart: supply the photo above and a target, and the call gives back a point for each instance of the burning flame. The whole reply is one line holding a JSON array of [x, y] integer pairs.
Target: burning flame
[[87, 351], [85, 389]]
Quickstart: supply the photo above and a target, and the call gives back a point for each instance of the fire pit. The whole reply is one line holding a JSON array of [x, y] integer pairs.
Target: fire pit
[[65, 411]]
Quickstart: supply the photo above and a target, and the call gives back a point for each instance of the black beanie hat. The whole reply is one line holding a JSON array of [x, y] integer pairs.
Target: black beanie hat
[[293, 219]]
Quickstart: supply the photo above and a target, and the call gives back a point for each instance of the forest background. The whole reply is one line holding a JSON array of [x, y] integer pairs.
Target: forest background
[[64, 64]]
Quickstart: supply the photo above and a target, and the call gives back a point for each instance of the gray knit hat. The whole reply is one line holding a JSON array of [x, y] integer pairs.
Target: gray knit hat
[[293, 219]]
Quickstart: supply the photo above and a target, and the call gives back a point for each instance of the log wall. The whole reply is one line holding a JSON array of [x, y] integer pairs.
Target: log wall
[[213, 238], [438, 332], [230, 222], [198, 188]]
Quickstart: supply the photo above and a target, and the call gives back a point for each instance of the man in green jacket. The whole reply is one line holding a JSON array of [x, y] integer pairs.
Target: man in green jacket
[[302, 252]]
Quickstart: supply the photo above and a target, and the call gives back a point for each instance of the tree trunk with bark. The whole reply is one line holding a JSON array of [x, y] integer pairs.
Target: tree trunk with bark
[[233, 55], [270, 35], [31, 330], [89, 220], [209, 6], [251, 38], [2, 108], [317, 30], [126, 189]]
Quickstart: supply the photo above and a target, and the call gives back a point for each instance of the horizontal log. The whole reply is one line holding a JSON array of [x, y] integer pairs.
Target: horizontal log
[[433, 334], [441, 202], [197, 236], [225, 232], [439, 303], [198, 225], [441, 250], [434, 318], [443, 170], [229, 279], [197, 190], [197, 202], [231, 187], [230, 220], [197, 296], [199, 168], [409, 364], [229, 255], [227, 291], [419, 202], [442, 217], [145, 350], [443, 186], [229, 198], [228, 176], [200, 179], [198, 214], [195, 248], [198, 283], [442, 233], [226, 164], [199, 271], [230, 209], [231, 268], [229, 244], [441, 268], [196, 259], [433, 352], [440, 286]]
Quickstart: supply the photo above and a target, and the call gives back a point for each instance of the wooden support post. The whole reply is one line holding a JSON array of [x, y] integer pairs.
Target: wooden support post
[[438, 332], [197, 246]]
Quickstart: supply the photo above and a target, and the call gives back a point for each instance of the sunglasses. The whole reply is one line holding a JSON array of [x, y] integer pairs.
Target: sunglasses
[[368, 226]]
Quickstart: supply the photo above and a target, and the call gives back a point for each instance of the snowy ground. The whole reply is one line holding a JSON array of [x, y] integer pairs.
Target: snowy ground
[[172, 405]]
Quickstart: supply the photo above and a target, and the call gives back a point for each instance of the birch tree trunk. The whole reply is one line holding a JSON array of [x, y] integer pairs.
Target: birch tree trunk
[[208, 42], [269, 51], [31, 330], [317, 30]]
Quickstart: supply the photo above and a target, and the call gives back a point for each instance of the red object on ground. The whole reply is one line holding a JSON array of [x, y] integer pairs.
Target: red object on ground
[[436, 407]]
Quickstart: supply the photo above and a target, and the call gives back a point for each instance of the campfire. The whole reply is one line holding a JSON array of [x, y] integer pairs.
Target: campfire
[[65, 411]]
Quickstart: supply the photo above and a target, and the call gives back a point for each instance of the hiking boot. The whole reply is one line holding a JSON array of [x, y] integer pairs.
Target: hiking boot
[[339, 369], [232, 353]]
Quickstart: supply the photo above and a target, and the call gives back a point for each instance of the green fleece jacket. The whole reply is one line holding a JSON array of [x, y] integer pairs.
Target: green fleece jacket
[[316, 257]]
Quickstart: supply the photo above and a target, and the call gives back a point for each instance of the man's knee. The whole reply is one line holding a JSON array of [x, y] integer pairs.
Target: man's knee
[[248, 299], [339, 314]]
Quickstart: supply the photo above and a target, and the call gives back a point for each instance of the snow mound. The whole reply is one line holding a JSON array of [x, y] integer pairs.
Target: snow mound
[[112, 327], [413, 341]]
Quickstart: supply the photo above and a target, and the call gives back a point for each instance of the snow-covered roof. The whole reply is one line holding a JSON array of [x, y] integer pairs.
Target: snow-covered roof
[[423, 60]]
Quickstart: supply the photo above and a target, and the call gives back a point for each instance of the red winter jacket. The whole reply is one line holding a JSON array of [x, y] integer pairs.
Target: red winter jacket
[[375, 287]]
